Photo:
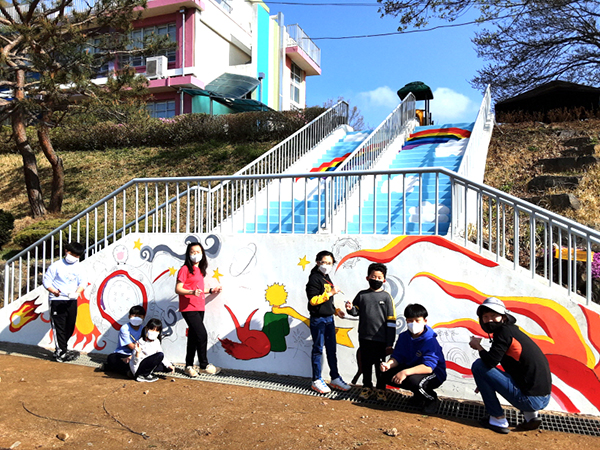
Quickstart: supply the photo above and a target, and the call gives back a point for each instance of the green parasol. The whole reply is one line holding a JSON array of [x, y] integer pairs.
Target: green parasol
[[419, 89]]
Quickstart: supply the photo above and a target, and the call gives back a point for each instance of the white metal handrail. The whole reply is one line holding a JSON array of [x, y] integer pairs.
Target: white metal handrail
[[298, 37], [473, 162], [288, 151], [280, 158], [505, 228], [370, 150]]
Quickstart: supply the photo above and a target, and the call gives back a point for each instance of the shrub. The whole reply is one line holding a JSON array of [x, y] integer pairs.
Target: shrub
[[259, 126], [7, 224], [36, 231]]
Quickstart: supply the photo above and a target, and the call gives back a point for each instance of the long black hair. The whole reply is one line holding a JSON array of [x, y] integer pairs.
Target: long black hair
[[153, 324], [202, 265]]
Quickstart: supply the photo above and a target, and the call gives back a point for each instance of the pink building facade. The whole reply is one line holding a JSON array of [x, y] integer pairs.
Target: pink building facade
[[228, 52]]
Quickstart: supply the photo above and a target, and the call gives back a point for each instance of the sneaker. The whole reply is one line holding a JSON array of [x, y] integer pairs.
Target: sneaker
[[415, 402], [150, 378], [366, 393], [430, 406], [190, 372], [381, 395], [531, 425], [485, 423], [320, 386], [70, 355], [60, 356], [340, 384], [211, 370]]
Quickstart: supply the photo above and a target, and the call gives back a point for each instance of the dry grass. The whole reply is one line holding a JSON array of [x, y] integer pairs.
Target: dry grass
[[91, 175], [514, 150]]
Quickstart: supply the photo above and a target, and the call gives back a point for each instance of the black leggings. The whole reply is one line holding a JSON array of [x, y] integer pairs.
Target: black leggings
[[115, 363], [197, 339], [150, 364]]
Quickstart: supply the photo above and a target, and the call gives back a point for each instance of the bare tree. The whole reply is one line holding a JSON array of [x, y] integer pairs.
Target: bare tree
[[527, 43], [355, 118]]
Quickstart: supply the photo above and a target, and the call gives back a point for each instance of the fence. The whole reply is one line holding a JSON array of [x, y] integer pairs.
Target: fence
[[506, 228], [298, 37], [156, 206], [367, 153]]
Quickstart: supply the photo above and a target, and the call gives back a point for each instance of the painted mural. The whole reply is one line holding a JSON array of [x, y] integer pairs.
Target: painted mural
[[260, 320]]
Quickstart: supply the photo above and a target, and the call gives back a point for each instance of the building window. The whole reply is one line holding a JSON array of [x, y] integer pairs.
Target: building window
[[160, 110], [296, 83], [138, 36], [94, 47]]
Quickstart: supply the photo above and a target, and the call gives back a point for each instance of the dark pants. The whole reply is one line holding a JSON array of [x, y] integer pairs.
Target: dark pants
[[422, 386], [115, 363], [150, 364], [63, 314], [197, 339], [371, 354]]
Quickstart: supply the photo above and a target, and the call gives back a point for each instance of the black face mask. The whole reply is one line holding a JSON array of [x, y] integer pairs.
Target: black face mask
[[491, 327], [375, 284]]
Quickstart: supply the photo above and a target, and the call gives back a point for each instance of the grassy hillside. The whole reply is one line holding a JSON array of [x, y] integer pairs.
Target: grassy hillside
[[91, 175], [515, 149]]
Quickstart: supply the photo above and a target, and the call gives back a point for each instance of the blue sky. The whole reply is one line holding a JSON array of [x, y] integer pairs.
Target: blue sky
[[369, 71]]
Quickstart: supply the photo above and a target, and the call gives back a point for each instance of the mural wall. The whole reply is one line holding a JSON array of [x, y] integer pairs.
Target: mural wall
[[260, 320]]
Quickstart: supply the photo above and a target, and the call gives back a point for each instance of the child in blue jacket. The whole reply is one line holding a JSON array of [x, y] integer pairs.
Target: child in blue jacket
[[417, 363]]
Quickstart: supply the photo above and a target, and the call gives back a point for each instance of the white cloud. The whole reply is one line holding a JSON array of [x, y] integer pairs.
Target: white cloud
[[449, 106], [382, 97]]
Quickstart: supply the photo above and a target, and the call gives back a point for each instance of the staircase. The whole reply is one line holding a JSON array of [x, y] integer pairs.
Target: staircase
[[415, 204], [308, 212]]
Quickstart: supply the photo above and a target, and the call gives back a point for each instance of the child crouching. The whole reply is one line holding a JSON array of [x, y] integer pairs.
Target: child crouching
[[148, 354], [417, 363]]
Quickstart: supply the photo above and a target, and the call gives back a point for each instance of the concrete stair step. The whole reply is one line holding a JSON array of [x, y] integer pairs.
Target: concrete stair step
[[545, 182], [567, 163], [586, 150]]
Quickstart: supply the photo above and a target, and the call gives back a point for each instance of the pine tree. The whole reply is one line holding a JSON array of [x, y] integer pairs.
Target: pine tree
[[50, 53]]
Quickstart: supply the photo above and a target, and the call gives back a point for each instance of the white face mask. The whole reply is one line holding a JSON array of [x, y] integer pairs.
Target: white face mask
[[70, 259], [196, 257], [325, 268], [136, 321], [152, 335], [415, 327]]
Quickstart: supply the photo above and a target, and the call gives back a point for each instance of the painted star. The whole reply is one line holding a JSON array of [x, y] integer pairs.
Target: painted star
[[137, 244], [304, 262], [217, 275], [172, 271]]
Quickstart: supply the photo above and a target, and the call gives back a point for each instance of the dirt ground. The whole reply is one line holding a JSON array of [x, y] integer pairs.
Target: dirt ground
[[187, 414]]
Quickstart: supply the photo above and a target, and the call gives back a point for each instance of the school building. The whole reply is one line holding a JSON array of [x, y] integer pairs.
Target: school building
[[231, 56]]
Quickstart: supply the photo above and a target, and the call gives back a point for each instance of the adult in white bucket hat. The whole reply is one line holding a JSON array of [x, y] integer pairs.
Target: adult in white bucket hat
[[526, 381]]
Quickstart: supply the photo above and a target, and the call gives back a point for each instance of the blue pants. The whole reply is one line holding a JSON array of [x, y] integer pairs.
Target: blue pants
[[322, 330], [492, 381]]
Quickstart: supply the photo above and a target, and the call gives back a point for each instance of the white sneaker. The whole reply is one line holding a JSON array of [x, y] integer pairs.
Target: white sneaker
[[320, 386], [190, 371], [211, 370], [340, 384]]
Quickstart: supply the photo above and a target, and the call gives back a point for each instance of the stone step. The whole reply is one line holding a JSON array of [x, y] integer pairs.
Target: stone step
[[577, 141], [585, 150], [545, 182], [560, 201], [567, 163]]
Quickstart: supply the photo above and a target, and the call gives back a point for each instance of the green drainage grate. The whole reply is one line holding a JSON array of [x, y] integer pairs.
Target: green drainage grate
[[298, 385]]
